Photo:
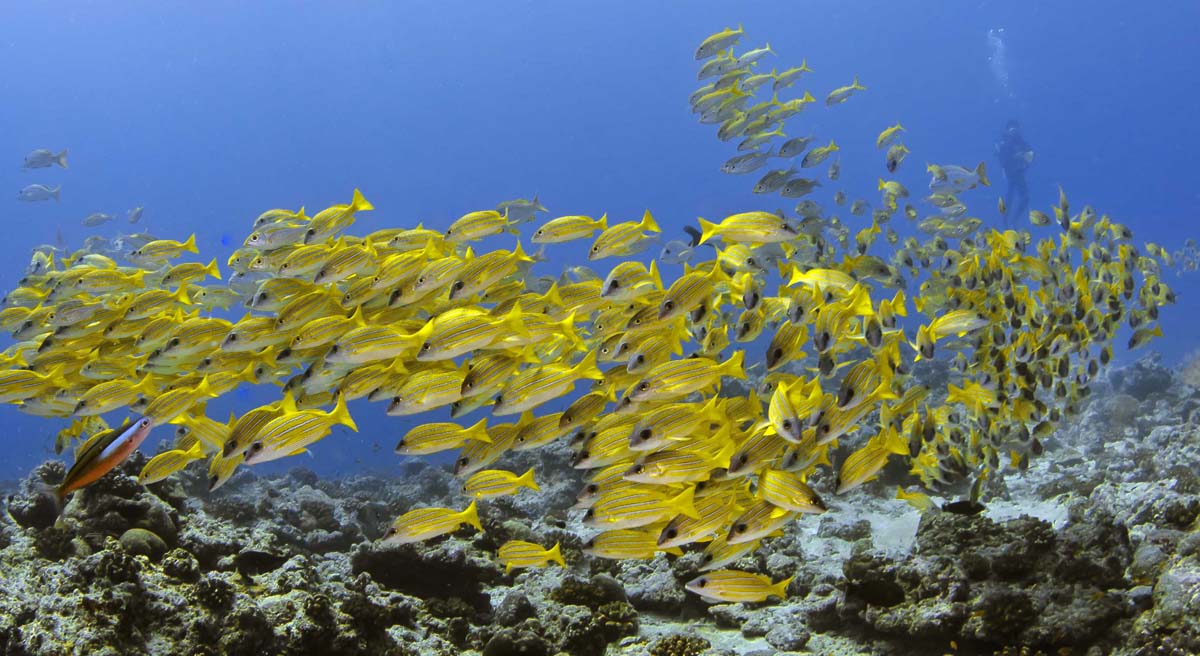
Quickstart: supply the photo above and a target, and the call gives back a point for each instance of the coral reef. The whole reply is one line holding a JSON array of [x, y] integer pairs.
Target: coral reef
[[1094, 549]]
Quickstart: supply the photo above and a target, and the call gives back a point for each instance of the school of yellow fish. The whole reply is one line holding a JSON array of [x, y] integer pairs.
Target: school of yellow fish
[[677, 455]]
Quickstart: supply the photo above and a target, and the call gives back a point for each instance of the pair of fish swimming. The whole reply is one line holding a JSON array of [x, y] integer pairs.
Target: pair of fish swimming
[[706, 401]]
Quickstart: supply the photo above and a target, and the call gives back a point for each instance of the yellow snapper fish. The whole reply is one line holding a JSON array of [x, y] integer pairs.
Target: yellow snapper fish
[[624, 239], [865, 463], [495, 482], [636, 508], [518, 554], [533, 387], [426, 523], [474, 226], [168, 462], [423, 390], [733, 586], [626, 544], [569, 228], [749, 228], [436, 437], [842, 94], [293, 432], [335, 218], [712, 44], [682, 377]]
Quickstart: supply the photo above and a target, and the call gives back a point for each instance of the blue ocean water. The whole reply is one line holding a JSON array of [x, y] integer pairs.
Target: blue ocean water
[[208, 114]]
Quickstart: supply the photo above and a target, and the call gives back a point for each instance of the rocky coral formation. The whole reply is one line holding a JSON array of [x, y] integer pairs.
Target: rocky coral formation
[[1094, 549]]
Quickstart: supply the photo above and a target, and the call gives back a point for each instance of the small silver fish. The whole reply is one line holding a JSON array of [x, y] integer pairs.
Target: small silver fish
[[797, 187], [134, 215], [794, 146], [42, 158], [96, 218], [676, 251], [520, 210], [36, 192], [773, 180], [740, 164]]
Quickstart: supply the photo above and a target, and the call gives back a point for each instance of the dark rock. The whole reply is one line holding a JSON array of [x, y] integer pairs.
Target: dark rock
[[600, 590], [181, 565], [873, 580], [54, 543], [252, 562], [514, 608], [1143, 378], [679, 645], [303, 476], [512, 642], [248, 633], [213, 593], [1147, 562], [445, 571], [1015, 583], [141, 542], [32, 506], [116, 564], [788, 636]]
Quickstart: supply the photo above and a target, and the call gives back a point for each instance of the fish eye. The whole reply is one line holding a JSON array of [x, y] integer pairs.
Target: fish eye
[[421, 280], [459, 285], [256, 447], [425, 347], [145, 421], [212, 480], [174, 342], [82, 403], [233, 337], [668, 305], [539, 231], [499, 399], [595, 249], [643, 387], [672, 533], [589, 514], [701, 583], [638, 469], [740, 528], [787, 424], [645, 434], [641, 359], [463, 462]]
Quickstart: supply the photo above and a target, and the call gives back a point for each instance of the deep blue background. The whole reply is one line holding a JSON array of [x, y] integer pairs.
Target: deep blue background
[[209, 113]]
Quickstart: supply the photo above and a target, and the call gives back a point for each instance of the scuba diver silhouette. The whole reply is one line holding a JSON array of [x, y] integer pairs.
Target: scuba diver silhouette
[[1015, 157]]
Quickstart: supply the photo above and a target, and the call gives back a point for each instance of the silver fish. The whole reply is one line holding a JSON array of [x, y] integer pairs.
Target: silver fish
[[521, 210], [773, 180], [42, 158], [676, 251], [797, 187], [746, 163], [96, 218], [36, 192], [795, 146], [134, 215]]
